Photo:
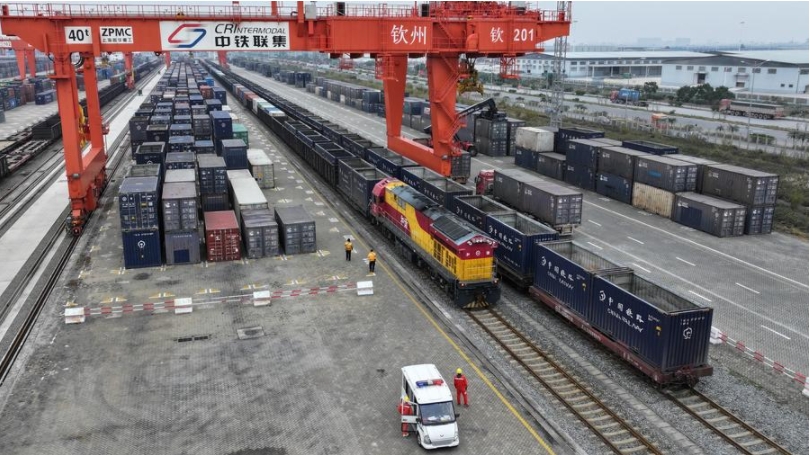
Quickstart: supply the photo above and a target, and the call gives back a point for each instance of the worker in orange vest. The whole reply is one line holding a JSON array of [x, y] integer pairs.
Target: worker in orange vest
[[372, 260], [349, 248], [460, 382], [405, 409]]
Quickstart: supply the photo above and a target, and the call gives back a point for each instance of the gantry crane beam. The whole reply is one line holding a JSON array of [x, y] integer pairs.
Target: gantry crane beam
[[22, 51], [440, 31]]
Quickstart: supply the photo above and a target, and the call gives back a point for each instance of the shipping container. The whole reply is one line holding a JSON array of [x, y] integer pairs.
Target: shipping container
[[563, 135], [711, 215], [261, 167], [141, 248], [508, 184], [553, 204], [474, 209], [260, 233], [514, 126], [388, 161], [246, 194], [666, 330], [550, 165], [234, 152], [180, 176], [178, 129], [583, 152], [145, 170], [223, 125], [619, 161], [204, 146], [181, 160], [701, 163], [443, 190], [240, 132], [182, 247], [215, 202], [759, 220], [213, 174], [517, 236], [223, 237], [746, 186], [653, 200], [565, 271], [296, 230], [615, 187], [138, 203], [581, 176], [609, 142], [413, 176], [179, 206], [650, 147], [137, 128], [525, 158], [150, 153], [666, 173]]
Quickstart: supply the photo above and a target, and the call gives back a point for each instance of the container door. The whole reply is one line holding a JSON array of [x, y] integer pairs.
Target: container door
[[692, 217], [182, 257]]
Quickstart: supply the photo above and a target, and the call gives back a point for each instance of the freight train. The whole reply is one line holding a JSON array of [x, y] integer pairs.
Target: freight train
[[26, 145], [664, 336]]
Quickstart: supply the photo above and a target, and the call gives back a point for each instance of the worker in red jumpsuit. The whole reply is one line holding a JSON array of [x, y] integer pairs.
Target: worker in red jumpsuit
[[460, 381], [405, 409]]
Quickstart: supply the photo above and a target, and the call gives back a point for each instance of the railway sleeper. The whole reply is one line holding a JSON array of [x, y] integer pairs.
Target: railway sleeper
[[741, 435], [629, 440], [765, 452], [719, 418], [635, 449], [727, 427], [583, 410], [614, 433]]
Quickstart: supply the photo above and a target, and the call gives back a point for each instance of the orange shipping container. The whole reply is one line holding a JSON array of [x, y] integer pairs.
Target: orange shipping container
[[653, 200]]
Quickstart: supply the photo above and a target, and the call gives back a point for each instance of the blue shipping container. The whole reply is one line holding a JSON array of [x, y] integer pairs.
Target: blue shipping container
[[525, 158], [141, 248], [650, 147], [581, 176], [565, 271], [223, 125], [663, 328], [139, 203], [583, 152], [517, 236], [615, 187], [234, 152]]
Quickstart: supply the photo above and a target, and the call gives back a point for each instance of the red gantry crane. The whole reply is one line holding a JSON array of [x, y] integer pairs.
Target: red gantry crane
[[442, 32], [23, 52]]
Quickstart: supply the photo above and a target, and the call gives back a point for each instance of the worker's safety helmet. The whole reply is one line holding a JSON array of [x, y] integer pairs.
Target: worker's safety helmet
[[406, 399], [458, 371]]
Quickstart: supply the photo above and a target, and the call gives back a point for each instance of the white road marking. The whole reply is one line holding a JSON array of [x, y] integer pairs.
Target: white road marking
[[640, 267], [595, 245], [594, 222], [639, 241], [704, 298], [702, 289], [774, 331], [684, 261], [720, 253], [747, 288]]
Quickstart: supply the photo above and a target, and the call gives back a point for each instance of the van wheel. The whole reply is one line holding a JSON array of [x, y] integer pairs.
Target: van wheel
[[419, 440]]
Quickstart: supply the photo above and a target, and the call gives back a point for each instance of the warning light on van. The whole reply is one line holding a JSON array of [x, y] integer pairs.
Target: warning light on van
[[430, 382]]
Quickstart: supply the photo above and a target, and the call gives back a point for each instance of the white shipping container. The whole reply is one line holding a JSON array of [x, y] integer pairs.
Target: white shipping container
[[535, 139], [653, 200], [246, 195], [226, 108], [261, 166]]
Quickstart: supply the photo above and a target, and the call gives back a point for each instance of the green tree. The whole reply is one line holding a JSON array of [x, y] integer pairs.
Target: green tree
[[650, 88]]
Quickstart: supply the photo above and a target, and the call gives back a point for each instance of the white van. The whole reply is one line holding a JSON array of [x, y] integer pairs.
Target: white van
[[431, 401]]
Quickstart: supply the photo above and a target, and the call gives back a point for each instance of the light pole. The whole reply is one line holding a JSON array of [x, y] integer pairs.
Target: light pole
[[751, 98]]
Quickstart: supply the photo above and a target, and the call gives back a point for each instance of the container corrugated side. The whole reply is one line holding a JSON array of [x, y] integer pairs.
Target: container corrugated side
[[663, 328], [711, 215], [475, 209], [247, 195], [565, 270], [516, 235], [615, 187], [746, 186], [223, 237], [141, 248], [179, 206], [552, 203], [653, 200], [507, 186], [261, 166]]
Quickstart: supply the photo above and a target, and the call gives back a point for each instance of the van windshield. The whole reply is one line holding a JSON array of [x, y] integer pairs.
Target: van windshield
[[437, 413]]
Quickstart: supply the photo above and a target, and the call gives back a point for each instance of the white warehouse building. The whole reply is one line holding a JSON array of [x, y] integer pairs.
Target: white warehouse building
[[765, 72]]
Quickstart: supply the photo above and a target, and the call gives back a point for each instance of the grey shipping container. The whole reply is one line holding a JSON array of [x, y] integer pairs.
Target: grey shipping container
[[138, 201], [553, 204], [759, 220], [150, 153], [146, 170], [614, 187], [565, 271], [651, 147], [507, 186], [701, 163], [181, 160], [213, 174], [179, 207], [460, 166], [517, 236], [666, 330], [581, 176], [246, 194], [705, 213], [619, 161], [180, 176], [182, 247], [215, 202], [474, 209], [551, 165], [260, 233], [562, 135], [443, 190], [141, 248], [363, 181], [666, 173], [746, 186], [296, 230]]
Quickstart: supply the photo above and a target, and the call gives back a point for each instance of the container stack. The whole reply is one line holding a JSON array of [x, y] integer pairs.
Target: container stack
[[492, 136], [223, 128], [755, 190], [179, 205], [260, 232], [222, 236], [581, 159], [530, 142], [564, 135], [616, 172], [511, 141], [296, 230], [234, 152], [138, 207], [657, 179], [245, 193], [261, 167], [213, 183], [708, 214], [240, 132]]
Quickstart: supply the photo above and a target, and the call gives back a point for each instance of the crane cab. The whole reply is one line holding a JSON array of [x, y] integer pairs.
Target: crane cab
[[433, 416]]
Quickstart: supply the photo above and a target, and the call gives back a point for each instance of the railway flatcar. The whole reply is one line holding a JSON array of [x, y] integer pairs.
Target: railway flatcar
[[458, 256]]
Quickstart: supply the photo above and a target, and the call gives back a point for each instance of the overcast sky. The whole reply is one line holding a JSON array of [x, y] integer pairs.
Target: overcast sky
[[702, 22]]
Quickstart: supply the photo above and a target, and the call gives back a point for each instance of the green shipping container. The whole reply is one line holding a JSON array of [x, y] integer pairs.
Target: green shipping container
[[240, 132]]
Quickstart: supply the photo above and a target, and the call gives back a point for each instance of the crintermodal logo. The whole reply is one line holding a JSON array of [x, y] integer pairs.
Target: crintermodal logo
[[192, 35]]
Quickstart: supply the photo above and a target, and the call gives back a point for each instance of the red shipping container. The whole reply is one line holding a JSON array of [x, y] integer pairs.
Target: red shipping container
[[207, 92], [223, 238]]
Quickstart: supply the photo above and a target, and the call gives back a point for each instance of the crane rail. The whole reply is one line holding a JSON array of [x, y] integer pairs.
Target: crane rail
[[618, 434]]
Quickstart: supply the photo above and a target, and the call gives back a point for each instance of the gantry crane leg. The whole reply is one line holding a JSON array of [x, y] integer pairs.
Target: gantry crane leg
[[128, 68]]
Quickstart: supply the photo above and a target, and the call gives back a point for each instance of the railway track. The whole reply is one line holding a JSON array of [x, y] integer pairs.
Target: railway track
[[725, 424], [618, 434], [48, 254]]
